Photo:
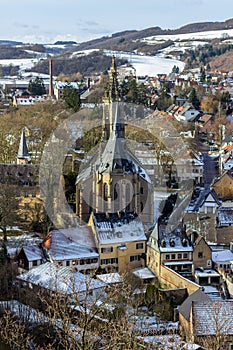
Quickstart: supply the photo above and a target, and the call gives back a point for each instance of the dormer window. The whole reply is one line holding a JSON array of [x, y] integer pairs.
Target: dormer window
[[172, 242]]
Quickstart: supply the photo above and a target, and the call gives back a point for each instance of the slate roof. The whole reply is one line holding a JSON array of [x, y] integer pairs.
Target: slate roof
[[33, 252], [173, 241], [114, 157], [23, 150], [200, 196], [65, 245], [225, 216], [212, 316], [113, 228], [185, 307], [222, 256]]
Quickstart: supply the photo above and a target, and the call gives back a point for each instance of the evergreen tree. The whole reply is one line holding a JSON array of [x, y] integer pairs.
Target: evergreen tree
[[36, 87], [71, 97], [193, 98]]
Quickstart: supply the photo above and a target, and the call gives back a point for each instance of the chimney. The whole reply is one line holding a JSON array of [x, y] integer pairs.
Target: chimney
[[51, 93]]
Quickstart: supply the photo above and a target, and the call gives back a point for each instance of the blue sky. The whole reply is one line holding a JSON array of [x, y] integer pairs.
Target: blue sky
[[46, 21]]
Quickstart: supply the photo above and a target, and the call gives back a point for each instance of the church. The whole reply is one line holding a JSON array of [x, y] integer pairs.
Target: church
[[114, 194], [114, 180]]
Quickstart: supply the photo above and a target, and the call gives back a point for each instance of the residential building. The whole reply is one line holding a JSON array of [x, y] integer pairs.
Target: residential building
[[173, 249], [69, 247], [120, 240]]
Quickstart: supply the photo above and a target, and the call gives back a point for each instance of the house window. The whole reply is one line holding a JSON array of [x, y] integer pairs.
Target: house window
[[200, 255], [185, 255], [34, 263], [26, 206], [167, 257], [26, 195], [141, 190], [107, 250], [139, 246], [135, 258], [37, 206], [67, 263], [210, 210], [173, 256], [179, 256], [33, 194]]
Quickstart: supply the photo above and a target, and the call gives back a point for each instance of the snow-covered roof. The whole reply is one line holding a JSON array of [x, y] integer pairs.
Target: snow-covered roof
[[185, 307], [222, 256], [64, 280], [61, 85], [110, 278], [212, 317], [67, 247], [225, 216], [118, 229], [144, 273], [33, 252], [173, 241], [66, 244], [202, 196]]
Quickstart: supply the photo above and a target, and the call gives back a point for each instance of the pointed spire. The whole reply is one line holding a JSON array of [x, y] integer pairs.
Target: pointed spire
[[23, 153], [112, 93], [118, 127]]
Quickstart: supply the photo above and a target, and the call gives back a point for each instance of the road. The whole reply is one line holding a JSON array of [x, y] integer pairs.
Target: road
[[210, 170]]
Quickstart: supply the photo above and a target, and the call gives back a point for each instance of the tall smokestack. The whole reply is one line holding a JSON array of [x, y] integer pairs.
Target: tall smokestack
[[51, 92]]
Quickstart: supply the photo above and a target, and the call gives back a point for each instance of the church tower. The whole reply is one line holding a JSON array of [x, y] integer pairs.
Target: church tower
[[115, 181], [110, 98], [23, 156]]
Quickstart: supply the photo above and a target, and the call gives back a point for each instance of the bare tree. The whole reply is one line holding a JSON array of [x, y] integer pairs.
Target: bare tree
[[8, 207]]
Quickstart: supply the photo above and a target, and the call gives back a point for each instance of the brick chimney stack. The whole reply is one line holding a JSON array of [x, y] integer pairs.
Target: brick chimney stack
[[51, 92]]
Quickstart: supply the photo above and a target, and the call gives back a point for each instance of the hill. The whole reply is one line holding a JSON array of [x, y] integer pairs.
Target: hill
[[131, 40]]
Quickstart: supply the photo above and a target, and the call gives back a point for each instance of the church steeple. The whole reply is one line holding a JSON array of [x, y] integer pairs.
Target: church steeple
[[23, 155], [111, 112], [112, 93]]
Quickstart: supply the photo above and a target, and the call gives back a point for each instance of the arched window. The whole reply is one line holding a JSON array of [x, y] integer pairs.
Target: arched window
[[105, 192], [116, 197], [105, 197], [141, 206], [127, 197]]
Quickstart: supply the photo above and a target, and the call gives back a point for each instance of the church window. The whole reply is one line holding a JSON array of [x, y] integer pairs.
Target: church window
[[141, 206], [105, 192], [116, 197], [127, 196]]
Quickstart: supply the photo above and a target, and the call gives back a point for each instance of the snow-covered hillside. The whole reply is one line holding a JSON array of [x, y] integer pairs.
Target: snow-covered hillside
[[162, 63]]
